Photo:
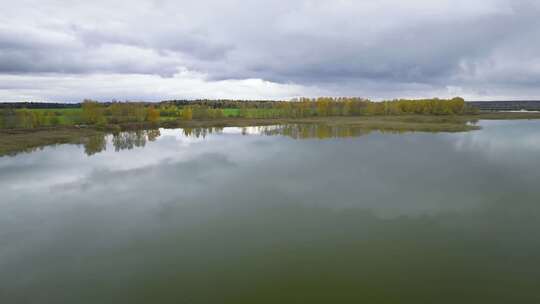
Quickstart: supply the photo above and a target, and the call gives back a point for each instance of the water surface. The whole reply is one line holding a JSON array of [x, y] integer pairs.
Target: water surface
[[282, 214]]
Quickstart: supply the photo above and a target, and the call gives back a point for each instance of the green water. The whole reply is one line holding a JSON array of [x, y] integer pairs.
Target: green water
[[275, 215]]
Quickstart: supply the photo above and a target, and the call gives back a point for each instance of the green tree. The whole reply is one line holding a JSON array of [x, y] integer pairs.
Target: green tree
[[92, 111], [24, 119], [54, 120], [243, 112], [187, 113]]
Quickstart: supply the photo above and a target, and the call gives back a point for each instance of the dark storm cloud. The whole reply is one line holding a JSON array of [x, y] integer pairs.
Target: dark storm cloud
[[435, 51], [417, 47], [33, 52], [195, 44]]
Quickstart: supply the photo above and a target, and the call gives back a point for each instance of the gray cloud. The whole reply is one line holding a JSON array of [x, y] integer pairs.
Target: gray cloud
[[481, 49]]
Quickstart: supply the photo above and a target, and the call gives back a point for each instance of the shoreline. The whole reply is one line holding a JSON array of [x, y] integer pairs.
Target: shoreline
[[13, 141]]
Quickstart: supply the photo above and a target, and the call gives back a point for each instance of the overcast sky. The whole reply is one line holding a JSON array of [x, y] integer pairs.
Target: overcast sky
[[271, 49]]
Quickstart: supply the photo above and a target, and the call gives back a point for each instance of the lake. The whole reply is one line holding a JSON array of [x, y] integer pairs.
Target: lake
[[279, 214]]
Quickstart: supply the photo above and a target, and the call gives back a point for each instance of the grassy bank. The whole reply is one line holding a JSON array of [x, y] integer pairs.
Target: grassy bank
[[397, 123], [418, 123], [24, 140], [504, 115], [17, 140]]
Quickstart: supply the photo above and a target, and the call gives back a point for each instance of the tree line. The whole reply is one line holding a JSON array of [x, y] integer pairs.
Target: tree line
[[121, 113], [323, 106], [27, 119], [91, 113], [117, 113]]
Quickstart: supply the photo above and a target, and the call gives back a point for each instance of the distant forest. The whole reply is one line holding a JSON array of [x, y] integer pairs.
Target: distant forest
[[213, 103], [516, 105], [38, 105]]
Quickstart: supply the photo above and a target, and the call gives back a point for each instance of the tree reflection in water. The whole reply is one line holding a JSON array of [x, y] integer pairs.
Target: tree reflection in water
[[296, 131], [129, 140], [201, 132], [135, 139], [121, 141], [320, 131], [95, 144]]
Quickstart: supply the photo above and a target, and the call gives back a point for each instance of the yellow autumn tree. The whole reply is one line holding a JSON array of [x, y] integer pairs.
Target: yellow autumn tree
[[152, 115], [187, 113]]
